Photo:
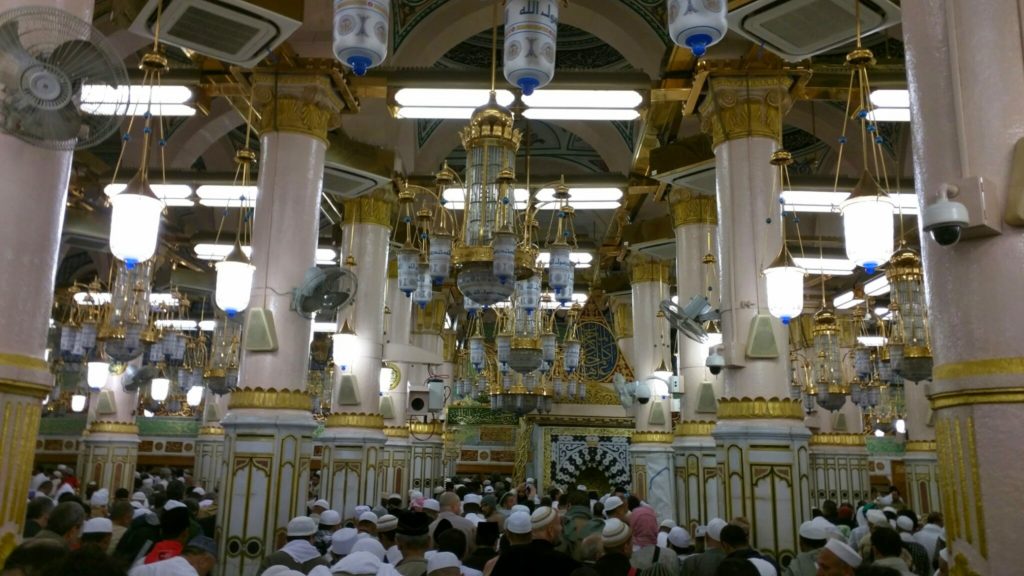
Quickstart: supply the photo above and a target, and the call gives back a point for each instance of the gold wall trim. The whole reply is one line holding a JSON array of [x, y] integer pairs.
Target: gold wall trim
[[836, 439], [652, 437], [745, 106], [269, 399], [104, 427], [373, 208], [694, 210], [695, 428], [649, 271], [759, 408], [396, 431], [971, 397], [22, 361], [355, 420], [20, 388], [435, 427], [211, 430], [920, 446], [622, 320], [986, 367]]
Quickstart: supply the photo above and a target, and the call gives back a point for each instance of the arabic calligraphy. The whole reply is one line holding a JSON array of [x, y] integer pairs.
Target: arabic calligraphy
[[531, 7], [600, 351]]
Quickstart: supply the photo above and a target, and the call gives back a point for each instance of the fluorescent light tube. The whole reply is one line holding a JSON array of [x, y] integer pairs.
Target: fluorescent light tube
[[177, 324], [584, 99], [889, 115], [872, 341], [226, 195], [877, 286], [162, 191], [455, 198], [890, 98], [831, 266], [828, 201], [582, 195], [211, 251], [433, 112], [581, 114], [846, 300], [451, 97], [581, 259]]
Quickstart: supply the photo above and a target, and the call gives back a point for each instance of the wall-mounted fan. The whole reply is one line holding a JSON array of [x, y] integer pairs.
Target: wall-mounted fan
[[690, 319], [48, 58], [625, 390], [324, 290]]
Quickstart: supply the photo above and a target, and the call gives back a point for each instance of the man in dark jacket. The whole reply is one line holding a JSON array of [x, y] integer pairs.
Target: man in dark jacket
[[617, 540], [736, 545], [578, 524]]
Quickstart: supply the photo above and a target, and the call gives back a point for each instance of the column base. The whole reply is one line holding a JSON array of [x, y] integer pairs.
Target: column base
[[354, 468], [839, 468], [210, 467], [110, 456], [267, 455], [697, 480], [653, 470], [921, 466], [19, 428]]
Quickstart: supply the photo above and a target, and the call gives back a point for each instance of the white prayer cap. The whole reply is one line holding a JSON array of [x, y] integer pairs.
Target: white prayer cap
[[884, 500], [520, 508], [475, 518], [301, 526], [139, 512], [98, 526], [615, 533], [890, 510], [321, 503], [612, 503], [842, 551], [357, 563], [715, 528], [62, 467], [877, 517], [414, 494], [542, 516], [205, 504], [431, 504], [438, 489], [701, 531], [100, 497], [199, 490], [387, 523], [519, 523], [280, 570], [368, 517], [172, 504], [330, 518], [343, 540], [472, 499], [679, 537], [530, 481], [488, 489], [764, 567], [360, 509], [147, 481], [581, 487], [905, 524], [811, 531], [441, 560], [668, 524], [371, 545]]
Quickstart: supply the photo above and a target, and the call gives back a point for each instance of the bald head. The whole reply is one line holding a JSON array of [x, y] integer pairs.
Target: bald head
[[450, 502]]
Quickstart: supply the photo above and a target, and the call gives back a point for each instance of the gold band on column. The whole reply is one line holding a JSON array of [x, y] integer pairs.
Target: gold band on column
[[373, 208], [396, 431], [355, 420], [211, 430], [836, 439], [760, 408], [975, 368], [694, 428], [739, 107], [297, 103], [694, 209], [434, 427], [21, 388], [22, 361], [974, 396], [270, 399], [652, 438], [920, 446], [107, 427], [649, 271]]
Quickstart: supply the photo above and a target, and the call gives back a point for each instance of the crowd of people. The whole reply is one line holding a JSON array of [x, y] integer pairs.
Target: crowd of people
[[471, 527]]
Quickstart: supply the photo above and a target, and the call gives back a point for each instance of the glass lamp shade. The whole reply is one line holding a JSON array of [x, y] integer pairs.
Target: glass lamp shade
[[504, 257], [879, 433], [695, 26], [440, 257], [901, 426], [476, 351], [549, 344], [525, 360], [560, 268], [784, 283], [528, 293], [159, 388], [234, 285], [572, 356], [424, 291], [194, 396], [531, 33], [503, 346], [97, 374], [361, 33], [408, 270], [387, 373], [134, 227], [344, 344], [868, 230], [482, 286], [78, 402]]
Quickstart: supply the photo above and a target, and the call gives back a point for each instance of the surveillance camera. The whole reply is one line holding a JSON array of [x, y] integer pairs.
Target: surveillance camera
[[715, 361], [643, 392], [945, 219]]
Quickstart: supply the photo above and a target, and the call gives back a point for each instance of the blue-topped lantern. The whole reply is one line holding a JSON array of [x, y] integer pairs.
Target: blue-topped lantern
[[531, 35], [697, 24], [361, 33]]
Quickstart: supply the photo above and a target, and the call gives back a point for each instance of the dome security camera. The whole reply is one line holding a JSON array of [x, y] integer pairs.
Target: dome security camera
[[643, 392], [945, 219], [715, 361]]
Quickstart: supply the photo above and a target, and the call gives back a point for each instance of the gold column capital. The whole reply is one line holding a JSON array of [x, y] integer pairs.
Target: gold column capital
[[690, 209], [448, 340], [432, 428], [646, 270], [301, 103], [270, 399], [396, 431], [745, 106], [759, 408], [836, 439], [21, 388], [355, 420], [105, 427], [211, 430], [373, 208], [695, 428], [430, 318], [652, 437], [920, 446]]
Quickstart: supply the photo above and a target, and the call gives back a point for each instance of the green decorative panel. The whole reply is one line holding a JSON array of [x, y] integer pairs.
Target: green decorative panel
[[158, 426], [884, 446], [62, 426]]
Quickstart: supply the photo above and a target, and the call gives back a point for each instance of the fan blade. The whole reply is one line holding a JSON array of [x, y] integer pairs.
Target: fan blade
[[82, 62], [10, 46], [62, 124]]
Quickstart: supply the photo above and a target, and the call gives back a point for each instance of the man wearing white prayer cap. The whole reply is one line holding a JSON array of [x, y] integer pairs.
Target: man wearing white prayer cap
[[367, 523], [98, 503], [764, 567], [342, 542], [706, 563], [837, 559], [663, 530], [444, 564], [680, 542], [617, 541], [812, 539], [97, 532], [362, 564], [431, 507], [298, 553]]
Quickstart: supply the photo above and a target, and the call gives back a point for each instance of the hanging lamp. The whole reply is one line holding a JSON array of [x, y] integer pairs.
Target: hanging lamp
[[697, 25], [910, 335], [784, 280], [361, 33], [531, 40]]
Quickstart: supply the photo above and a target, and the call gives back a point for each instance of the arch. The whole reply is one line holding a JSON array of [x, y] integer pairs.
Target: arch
[[200, 133], [610, 20], [827, 125]]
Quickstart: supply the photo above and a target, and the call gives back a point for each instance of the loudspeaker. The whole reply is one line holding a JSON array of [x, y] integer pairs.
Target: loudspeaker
[[419, 402]]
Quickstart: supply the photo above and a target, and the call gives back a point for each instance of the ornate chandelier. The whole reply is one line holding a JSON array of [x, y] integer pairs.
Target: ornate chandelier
[[127, 326], [827, 365]]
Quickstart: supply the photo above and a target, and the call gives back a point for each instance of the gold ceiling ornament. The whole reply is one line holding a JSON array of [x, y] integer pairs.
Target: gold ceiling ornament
[[271, 399], [695, 428], [693, 208], [108, 427], [759, 408], [211, 430], [643, 437], [837, 439], [920, 446], [355, 420]]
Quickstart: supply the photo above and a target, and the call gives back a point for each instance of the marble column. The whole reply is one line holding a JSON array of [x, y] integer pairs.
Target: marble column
[[965, 72], [698, 485], [269, 425], [653, 467], [34, 191], [427, 434], [760, 436], [211, 467], [353, 470], [111, 438], [397, 449]]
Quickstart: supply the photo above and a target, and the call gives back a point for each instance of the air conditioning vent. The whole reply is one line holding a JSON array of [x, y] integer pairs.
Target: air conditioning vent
[[798, 29], [241, 32], [664, 249], [347, 182]]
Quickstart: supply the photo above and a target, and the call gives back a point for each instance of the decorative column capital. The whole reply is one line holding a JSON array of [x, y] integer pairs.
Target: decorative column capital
[[649, 271], [355, 420], [836, 439], [373, 208], [745, 106], [760, 408], [104, 427], [211, 430], [448, 341], [396, 431], [269, 399], [303, 103], [430, 318], [690, 209], [652, 438], [695, 428]]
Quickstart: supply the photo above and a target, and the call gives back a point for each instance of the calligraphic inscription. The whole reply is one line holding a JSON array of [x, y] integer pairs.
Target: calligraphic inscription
[[600, 351]]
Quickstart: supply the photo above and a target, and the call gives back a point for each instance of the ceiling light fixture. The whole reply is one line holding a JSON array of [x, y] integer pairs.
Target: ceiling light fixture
[[890, 98], [580, 259], [877, 286], [227, 196], [610, 99], [531, 35], [210, 251], [609, 114], [829, 201], [137, 100], [829, 266], [784, 280], [846, 300], [889, 115]]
